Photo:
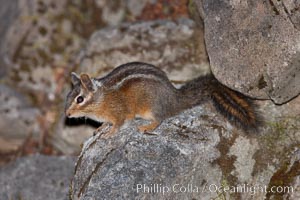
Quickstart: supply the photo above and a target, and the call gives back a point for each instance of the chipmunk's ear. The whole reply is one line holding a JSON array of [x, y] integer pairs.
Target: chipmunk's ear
[[75, 78], [87, 83]]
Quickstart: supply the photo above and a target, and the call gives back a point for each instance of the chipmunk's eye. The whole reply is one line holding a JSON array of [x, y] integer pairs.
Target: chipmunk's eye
[[79, 99]]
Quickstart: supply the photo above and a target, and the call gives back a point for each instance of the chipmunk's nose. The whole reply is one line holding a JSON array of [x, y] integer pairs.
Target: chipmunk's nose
[[68, 114]]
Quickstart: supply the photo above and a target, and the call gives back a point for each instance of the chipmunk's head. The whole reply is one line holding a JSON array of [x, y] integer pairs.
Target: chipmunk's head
[[82, 99]]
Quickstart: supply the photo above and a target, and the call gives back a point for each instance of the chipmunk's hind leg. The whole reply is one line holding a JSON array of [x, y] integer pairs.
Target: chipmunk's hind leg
[[147, 114], [149, 127]]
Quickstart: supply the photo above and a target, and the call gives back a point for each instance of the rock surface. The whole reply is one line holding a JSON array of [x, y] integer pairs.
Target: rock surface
[[190, 155], [175, 46], [8, 14], [37, 177], [18, 119], [112, 168], [253, 46]]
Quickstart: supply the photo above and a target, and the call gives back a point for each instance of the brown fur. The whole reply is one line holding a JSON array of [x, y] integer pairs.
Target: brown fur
[[140, 89]]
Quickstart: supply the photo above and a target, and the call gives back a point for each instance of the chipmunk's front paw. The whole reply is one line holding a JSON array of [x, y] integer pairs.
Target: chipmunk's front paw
[[109, 132], [103, 129], [97, 131]]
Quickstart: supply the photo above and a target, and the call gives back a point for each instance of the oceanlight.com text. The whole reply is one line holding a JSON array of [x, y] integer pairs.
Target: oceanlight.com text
[[213, 188]]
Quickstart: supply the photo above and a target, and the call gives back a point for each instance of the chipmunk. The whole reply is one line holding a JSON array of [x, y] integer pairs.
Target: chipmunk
[[141, 89]]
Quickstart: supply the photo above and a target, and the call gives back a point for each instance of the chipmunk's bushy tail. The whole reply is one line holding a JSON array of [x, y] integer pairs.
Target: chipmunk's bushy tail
[[236, 107]]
